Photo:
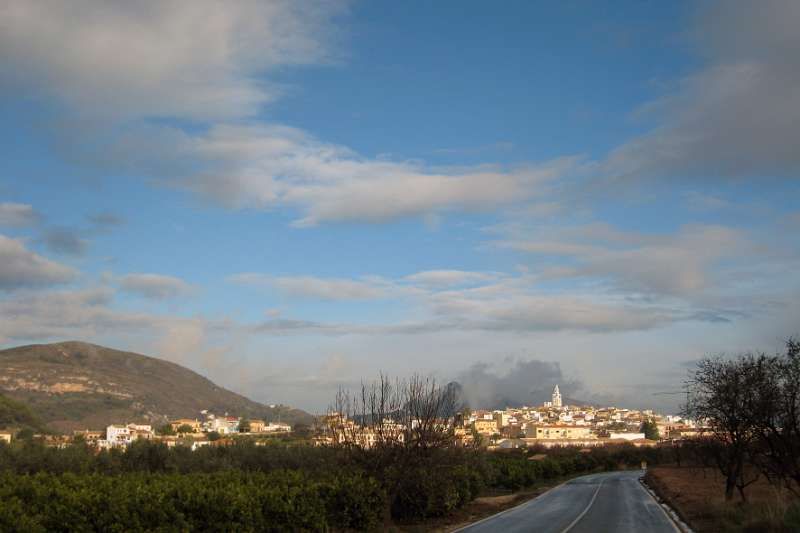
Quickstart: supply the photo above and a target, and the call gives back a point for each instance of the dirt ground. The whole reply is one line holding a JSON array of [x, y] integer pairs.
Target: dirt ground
[[698, 495]]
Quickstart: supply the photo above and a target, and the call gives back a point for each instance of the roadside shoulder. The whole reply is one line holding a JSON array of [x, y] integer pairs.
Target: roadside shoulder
[[671, 513]]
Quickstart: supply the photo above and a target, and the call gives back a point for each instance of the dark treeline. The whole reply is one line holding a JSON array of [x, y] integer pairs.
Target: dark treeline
[[752, 405], [244, 487]]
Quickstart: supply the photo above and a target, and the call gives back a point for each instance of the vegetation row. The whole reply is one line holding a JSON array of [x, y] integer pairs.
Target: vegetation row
[[244, 487]]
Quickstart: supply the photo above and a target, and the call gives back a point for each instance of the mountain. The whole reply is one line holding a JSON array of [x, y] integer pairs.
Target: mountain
[[73, 385], [18, 416]]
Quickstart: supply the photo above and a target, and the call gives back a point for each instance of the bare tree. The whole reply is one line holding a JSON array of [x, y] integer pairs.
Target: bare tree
[[720, 394], [412, 414], [775, 413], [396, 429]]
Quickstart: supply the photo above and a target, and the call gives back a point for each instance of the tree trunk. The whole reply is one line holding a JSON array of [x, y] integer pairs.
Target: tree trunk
[[730, 485]]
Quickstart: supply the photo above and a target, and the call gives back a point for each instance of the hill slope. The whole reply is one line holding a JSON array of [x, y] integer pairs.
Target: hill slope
[[74, 385], [16, 415]]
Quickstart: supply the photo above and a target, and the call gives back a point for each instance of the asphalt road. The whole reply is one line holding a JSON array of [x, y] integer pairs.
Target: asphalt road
[[610, 502]]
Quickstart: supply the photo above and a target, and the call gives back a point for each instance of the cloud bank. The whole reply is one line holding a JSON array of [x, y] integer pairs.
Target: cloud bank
[[189, 60], [739, 115], [21, 268]]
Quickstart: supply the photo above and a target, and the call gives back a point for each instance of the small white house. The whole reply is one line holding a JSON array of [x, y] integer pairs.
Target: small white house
[[117, 435], [277, 427], [626, 436]]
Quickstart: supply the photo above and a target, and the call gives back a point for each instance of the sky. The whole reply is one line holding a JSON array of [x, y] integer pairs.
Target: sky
[[292, 196]]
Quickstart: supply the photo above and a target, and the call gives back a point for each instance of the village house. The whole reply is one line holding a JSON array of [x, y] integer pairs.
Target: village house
[[502, 418], [257, 426], [117, 435], [140, 431], [123, 435], [89, 436], [193, 423], [224, 424], [277, 427], [485, 427], [557, 431], [626, 436]]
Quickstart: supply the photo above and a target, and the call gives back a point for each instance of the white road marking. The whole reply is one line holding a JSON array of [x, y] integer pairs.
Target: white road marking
[[578, 519], [492, 517], [671, 521]]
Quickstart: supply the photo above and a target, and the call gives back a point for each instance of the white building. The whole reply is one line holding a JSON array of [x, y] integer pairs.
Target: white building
[[117, 435], [556, 397], [626, 436], [140, 431], [277, 427], [502, 418], [225, 425]]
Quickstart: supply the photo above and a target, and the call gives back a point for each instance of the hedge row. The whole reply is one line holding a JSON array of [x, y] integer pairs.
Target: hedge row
[[230, 501], [517, 469], [268, 488], [144, 456]]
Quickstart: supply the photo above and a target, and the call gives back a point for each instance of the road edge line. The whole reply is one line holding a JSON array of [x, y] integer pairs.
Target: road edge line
[[672, 515]]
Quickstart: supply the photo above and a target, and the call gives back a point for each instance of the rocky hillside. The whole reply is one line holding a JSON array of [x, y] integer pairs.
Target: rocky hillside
[[72, 385]]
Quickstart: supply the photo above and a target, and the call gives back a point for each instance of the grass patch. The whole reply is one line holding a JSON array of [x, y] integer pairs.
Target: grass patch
[[698, 496]]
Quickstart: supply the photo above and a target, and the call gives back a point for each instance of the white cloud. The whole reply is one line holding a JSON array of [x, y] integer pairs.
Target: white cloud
[[517, 308], [737, 117], [188, 342], [20, 267], [16, 215], [366, 287], [159, 58], [455, 300], [449, 278], [680, 264], [200, 61], [78, 314], [154, 286], [274, 166], [315, 287], [90, 314], [627, 282]]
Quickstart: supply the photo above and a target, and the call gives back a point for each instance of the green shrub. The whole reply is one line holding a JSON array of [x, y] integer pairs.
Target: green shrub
[[229, 501], [257, 488]]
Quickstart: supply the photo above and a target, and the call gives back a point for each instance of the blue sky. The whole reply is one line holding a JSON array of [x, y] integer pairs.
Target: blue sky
[[290, 196]]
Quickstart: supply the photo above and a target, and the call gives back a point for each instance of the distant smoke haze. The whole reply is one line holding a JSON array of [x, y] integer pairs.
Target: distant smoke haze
[[525, 382]]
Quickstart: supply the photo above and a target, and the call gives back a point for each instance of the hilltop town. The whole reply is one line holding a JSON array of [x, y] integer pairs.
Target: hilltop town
[[557, 424], [551, 424]]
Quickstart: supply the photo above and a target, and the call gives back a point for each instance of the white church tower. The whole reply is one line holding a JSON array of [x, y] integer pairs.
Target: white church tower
[[556, 397]]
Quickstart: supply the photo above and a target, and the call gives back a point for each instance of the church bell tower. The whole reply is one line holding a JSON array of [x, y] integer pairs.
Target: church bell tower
[[556, 397]]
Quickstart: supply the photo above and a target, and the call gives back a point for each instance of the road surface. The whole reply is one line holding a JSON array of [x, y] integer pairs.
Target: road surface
[[610, 502]]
